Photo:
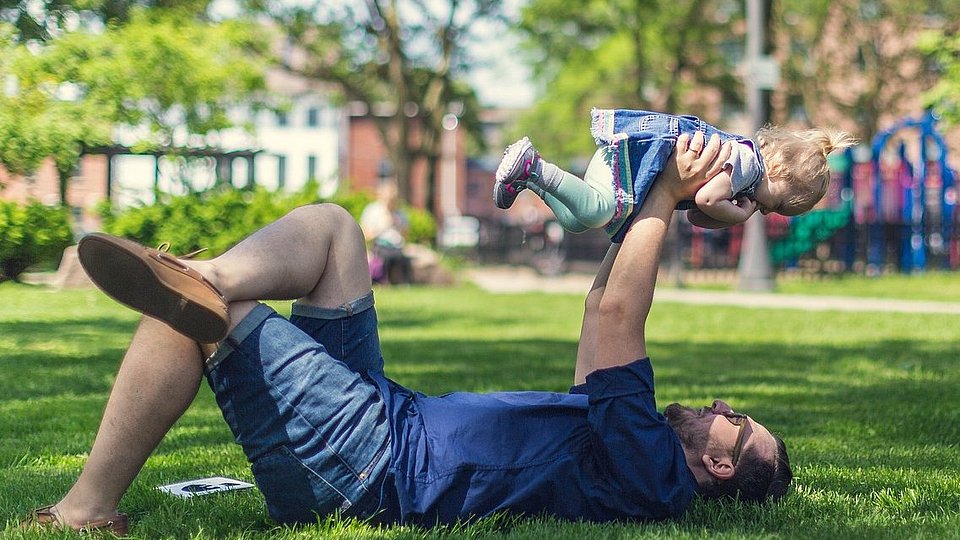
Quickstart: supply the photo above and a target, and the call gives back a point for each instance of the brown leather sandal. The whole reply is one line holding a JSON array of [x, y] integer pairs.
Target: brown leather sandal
[[157, 284], [48, 516]]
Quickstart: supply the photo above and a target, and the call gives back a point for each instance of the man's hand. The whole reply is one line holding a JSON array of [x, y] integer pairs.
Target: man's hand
[[692, 164]]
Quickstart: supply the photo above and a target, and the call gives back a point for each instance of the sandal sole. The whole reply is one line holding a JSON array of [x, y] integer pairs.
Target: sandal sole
[[126, 276]]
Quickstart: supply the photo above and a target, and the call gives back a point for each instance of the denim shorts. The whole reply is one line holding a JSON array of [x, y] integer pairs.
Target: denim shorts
[[298, 398]]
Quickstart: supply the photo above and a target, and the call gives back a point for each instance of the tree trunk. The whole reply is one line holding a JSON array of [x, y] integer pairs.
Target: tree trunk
[[64, 178]]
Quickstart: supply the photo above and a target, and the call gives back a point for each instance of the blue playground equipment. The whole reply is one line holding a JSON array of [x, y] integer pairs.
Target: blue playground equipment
[[895, 212], [892, 207], [923, 231]]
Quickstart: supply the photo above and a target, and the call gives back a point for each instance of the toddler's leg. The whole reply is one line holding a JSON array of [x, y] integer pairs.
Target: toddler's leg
[[579, 205], [565, 217], [591, 200]]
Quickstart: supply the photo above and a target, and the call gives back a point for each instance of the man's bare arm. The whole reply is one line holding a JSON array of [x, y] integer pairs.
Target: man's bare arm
[[628, 293], [590, 327]]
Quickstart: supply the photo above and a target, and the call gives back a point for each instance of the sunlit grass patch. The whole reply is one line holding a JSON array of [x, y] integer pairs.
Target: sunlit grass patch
[[867, 403]]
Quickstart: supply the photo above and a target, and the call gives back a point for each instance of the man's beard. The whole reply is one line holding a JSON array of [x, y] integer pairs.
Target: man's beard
[[683, 421]]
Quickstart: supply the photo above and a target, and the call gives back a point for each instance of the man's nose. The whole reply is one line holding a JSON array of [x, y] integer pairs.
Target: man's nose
[[720, 407]]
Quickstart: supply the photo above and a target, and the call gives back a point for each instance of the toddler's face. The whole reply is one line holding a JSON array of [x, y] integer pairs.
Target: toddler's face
[[772, 197]]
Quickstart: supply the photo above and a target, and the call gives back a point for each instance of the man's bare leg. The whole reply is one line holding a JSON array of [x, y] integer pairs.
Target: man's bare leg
[[315, 252], [158, 378]]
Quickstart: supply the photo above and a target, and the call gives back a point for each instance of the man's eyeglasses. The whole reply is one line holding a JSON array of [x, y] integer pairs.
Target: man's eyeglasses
[[740, 420]]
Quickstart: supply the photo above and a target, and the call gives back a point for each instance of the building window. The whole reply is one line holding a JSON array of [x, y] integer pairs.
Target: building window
[[311, 167], [313, 117], [281, 171], [282, 120]]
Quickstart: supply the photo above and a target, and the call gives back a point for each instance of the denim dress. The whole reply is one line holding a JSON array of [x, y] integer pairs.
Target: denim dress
[[641, 142]]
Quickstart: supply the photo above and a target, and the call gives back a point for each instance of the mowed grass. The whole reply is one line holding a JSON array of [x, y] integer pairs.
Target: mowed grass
[[867, 402], [932, 286]]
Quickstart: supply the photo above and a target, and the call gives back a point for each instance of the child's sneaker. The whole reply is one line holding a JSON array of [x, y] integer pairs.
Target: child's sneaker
[[521, 162]]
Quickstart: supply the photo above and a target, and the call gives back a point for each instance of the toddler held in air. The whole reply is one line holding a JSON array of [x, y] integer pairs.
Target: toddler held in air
[[779, 171]]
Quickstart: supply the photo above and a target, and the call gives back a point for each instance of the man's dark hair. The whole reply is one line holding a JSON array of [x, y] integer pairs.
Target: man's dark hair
[[756, 480]]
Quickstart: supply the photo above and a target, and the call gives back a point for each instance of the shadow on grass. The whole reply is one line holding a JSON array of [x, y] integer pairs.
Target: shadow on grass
[[860, 419], [895, 391]]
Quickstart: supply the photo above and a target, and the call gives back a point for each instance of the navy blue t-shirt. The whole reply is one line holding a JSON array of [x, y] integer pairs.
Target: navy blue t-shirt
[[600, 453]]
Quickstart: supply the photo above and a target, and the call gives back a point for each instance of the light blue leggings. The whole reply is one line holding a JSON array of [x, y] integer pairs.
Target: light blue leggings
[[581, 204]]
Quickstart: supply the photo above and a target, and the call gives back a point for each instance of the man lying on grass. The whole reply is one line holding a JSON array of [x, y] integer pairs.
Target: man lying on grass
[[326, 432]]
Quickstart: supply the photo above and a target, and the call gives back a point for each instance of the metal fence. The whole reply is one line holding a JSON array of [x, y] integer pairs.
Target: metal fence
[[891, 209], [863, 248]]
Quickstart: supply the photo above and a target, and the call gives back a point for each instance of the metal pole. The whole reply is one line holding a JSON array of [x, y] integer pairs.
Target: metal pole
[[755, 270]]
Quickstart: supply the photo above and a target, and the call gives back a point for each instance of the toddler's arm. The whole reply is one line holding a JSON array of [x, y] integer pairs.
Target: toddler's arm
[[714, 201], [697, 217]]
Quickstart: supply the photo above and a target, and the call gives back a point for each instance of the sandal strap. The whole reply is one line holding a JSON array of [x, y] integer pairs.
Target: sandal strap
[[45, 515]]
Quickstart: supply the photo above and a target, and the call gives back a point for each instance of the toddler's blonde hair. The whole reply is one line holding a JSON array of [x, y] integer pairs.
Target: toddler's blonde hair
[[799, 158]]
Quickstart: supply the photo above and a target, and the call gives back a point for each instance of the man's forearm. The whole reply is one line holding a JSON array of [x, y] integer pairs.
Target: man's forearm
[[590, 327], [629, 291]]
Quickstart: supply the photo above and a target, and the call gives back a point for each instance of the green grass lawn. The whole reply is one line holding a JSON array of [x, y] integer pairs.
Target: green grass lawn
[[867, 402], [930, 286]]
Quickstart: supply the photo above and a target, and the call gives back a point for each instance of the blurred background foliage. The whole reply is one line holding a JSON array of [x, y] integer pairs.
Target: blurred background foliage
[[179, 64], [74, 71], [31, 234], [850, 59]]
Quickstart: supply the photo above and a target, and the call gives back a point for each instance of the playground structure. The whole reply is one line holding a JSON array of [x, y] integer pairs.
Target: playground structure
[[891, 208]]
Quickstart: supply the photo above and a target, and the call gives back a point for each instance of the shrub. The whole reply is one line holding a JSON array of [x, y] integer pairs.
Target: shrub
[[354, 202], [217, 219], [31, 234], [423, 227], [214, 219]]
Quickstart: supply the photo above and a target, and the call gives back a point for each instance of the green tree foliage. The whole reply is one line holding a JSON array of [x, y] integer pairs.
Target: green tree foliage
[[30, 234], [623, 53], [35, 122], [406, 59], [173, 75], [22, 144], [944, 97], [42, 20]]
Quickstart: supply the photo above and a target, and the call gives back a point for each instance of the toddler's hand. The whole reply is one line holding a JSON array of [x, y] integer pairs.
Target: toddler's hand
[[747, 204]]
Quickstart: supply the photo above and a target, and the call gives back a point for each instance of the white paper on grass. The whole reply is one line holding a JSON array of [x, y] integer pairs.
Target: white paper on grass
[[204, 486]]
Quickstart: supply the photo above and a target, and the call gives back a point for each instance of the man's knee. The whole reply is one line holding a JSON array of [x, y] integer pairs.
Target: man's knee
[[330, 218], [328, 214]]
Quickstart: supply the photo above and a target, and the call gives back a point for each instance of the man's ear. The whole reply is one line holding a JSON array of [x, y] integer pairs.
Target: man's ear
[[719, 468]]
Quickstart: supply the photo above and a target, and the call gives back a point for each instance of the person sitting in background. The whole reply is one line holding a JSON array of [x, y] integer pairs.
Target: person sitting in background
[[385, 228]]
